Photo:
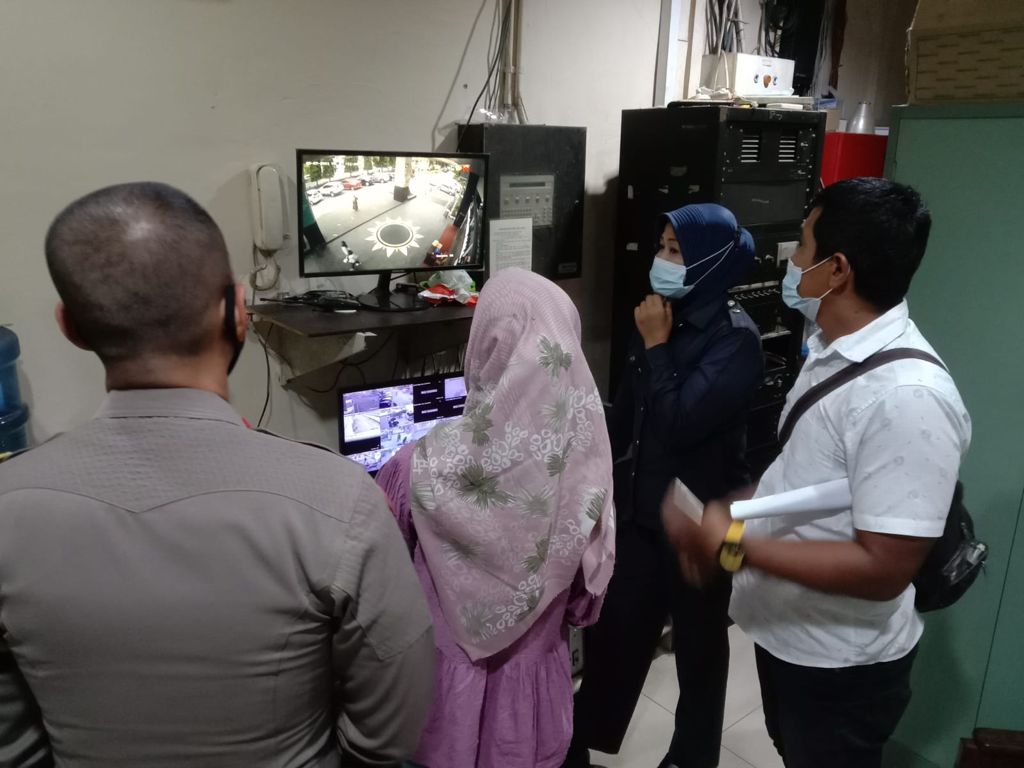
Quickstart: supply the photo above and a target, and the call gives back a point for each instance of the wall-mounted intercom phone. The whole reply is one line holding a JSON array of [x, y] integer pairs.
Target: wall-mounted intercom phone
[[267, 205], [269, 216]]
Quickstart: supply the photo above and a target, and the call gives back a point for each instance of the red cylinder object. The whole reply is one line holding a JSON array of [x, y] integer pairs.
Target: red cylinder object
[[848, 155]]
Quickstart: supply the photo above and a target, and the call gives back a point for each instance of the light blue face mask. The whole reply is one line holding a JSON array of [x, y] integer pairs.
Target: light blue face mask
[[791, 295], [668, 278]]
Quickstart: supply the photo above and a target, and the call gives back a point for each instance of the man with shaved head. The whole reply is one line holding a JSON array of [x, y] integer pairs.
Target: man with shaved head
[[177, 589], [142, 272]]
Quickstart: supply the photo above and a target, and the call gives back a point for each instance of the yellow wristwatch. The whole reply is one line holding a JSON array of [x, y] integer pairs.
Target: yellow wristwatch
[[731, 554]]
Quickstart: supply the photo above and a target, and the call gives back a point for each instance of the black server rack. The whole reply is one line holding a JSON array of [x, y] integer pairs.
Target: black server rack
[[762, 164], [536, 171]]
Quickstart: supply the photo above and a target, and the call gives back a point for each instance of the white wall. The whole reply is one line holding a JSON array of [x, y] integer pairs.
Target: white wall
[[193, 91]]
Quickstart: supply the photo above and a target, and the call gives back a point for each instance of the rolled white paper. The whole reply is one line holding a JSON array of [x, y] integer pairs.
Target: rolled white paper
[[824, 498]]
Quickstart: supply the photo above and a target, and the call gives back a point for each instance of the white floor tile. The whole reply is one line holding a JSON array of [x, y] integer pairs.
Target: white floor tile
[[662, 685], [729, 759], [749, 740], [745, 742], [646, 740], [743, 695]]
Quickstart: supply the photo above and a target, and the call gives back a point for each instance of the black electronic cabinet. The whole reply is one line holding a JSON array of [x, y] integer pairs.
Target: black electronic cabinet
[[762, 164], [536, 171]]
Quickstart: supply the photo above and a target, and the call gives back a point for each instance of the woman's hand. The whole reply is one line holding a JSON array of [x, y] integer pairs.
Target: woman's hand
[[654, 320]]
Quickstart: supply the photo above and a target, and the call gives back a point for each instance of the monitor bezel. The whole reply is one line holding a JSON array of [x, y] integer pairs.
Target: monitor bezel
[[341, 392], [299, 183]]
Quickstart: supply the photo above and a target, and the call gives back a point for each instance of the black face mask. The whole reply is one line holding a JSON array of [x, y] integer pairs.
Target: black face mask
[[229, 326]]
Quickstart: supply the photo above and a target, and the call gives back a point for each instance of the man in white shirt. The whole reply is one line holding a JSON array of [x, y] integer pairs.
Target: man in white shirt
[[828, 600]]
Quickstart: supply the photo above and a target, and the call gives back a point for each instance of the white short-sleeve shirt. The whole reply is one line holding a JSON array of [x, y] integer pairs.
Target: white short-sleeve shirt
[[898, 433]]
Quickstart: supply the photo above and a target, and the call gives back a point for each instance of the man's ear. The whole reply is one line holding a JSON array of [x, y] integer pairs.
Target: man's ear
[[67, 327], [841, 274]]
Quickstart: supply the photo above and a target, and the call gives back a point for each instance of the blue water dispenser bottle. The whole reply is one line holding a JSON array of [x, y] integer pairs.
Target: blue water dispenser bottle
[[13, 413]]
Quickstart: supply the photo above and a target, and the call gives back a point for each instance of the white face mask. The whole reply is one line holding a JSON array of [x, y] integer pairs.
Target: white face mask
[[791, 294]]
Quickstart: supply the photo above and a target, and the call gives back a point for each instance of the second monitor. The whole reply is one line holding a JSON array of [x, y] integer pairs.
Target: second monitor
[[375, 422]]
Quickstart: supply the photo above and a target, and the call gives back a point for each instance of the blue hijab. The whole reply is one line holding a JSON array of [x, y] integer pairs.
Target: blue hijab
[[720, 251]]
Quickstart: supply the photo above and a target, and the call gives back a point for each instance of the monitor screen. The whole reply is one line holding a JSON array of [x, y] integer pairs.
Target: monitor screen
[[375, 422], [379, 212]]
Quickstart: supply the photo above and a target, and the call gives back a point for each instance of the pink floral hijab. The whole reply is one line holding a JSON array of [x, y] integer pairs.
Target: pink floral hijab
[[512, 499]]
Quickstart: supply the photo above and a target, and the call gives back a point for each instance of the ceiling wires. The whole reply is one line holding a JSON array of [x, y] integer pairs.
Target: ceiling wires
[[724, 26], [776, 17], [491, 86], [502, 99], [495, 48]]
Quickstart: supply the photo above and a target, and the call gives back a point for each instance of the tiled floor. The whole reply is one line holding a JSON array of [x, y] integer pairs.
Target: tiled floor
[[745, 744]]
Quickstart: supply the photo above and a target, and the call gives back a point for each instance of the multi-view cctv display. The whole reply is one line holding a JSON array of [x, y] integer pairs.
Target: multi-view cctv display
[[376, 422]]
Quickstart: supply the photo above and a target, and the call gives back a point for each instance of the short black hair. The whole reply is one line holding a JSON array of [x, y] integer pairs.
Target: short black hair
[[881, 227], [141, 268]]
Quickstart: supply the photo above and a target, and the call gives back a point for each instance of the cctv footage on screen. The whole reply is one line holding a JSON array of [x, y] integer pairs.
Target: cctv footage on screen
[[376, 423], [367, 213]]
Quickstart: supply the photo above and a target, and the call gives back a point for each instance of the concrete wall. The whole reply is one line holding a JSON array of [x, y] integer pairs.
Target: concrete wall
[[191, 92]]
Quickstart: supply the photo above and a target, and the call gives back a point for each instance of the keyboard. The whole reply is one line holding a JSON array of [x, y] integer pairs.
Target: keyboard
[[329, 300], [321, 299]]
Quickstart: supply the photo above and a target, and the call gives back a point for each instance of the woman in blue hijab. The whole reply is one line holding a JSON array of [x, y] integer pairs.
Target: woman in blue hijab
[[680, 412]]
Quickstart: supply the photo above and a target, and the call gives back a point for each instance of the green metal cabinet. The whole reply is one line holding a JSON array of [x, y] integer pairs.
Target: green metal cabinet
[[968, 164]]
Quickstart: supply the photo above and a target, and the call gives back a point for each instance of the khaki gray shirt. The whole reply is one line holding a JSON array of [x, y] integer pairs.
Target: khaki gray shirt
[[176, 589]]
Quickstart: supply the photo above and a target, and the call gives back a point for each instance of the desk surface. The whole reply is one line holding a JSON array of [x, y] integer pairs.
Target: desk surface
[[308, 322]]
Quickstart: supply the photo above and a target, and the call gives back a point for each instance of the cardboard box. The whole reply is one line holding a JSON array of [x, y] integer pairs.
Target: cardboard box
[[966, 50], [960, 15]]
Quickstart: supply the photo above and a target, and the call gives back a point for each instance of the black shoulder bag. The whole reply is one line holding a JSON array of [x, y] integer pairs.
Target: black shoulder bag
[[957, 557]]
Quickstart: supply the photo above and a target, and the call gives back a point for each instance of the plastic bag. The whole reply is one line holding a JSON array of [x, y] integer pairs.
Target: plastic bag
[[456, 285]]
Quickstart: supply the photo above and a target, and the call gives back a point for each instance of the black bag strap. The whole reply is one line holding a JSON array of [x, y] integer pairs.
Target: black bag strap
[[845, 376]]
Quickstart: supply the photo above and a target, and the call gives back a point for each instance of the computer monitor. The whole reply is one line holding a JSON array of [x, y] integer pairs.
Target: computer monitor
[[375, 422], [373, 212]]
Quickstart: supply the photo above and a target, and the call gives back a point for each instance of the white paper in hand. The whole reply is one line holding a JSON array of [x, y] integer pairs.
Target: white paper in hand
[[684, 499], [816, 500]]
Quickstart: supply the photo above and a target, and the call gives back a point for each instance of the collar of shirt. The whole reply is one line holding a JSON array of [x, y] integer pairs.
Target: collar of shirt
[[180, 403], [698, 316], [859, 345]]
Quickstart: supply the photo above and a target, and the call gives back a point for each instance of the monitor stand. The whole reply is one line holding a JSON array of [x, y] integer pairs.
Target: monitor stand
[[381, 299]]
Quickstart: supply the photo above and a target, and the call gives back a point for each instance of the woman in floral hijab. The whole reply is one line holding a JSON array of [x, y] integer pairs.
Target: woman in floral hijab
[[508, 515]]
